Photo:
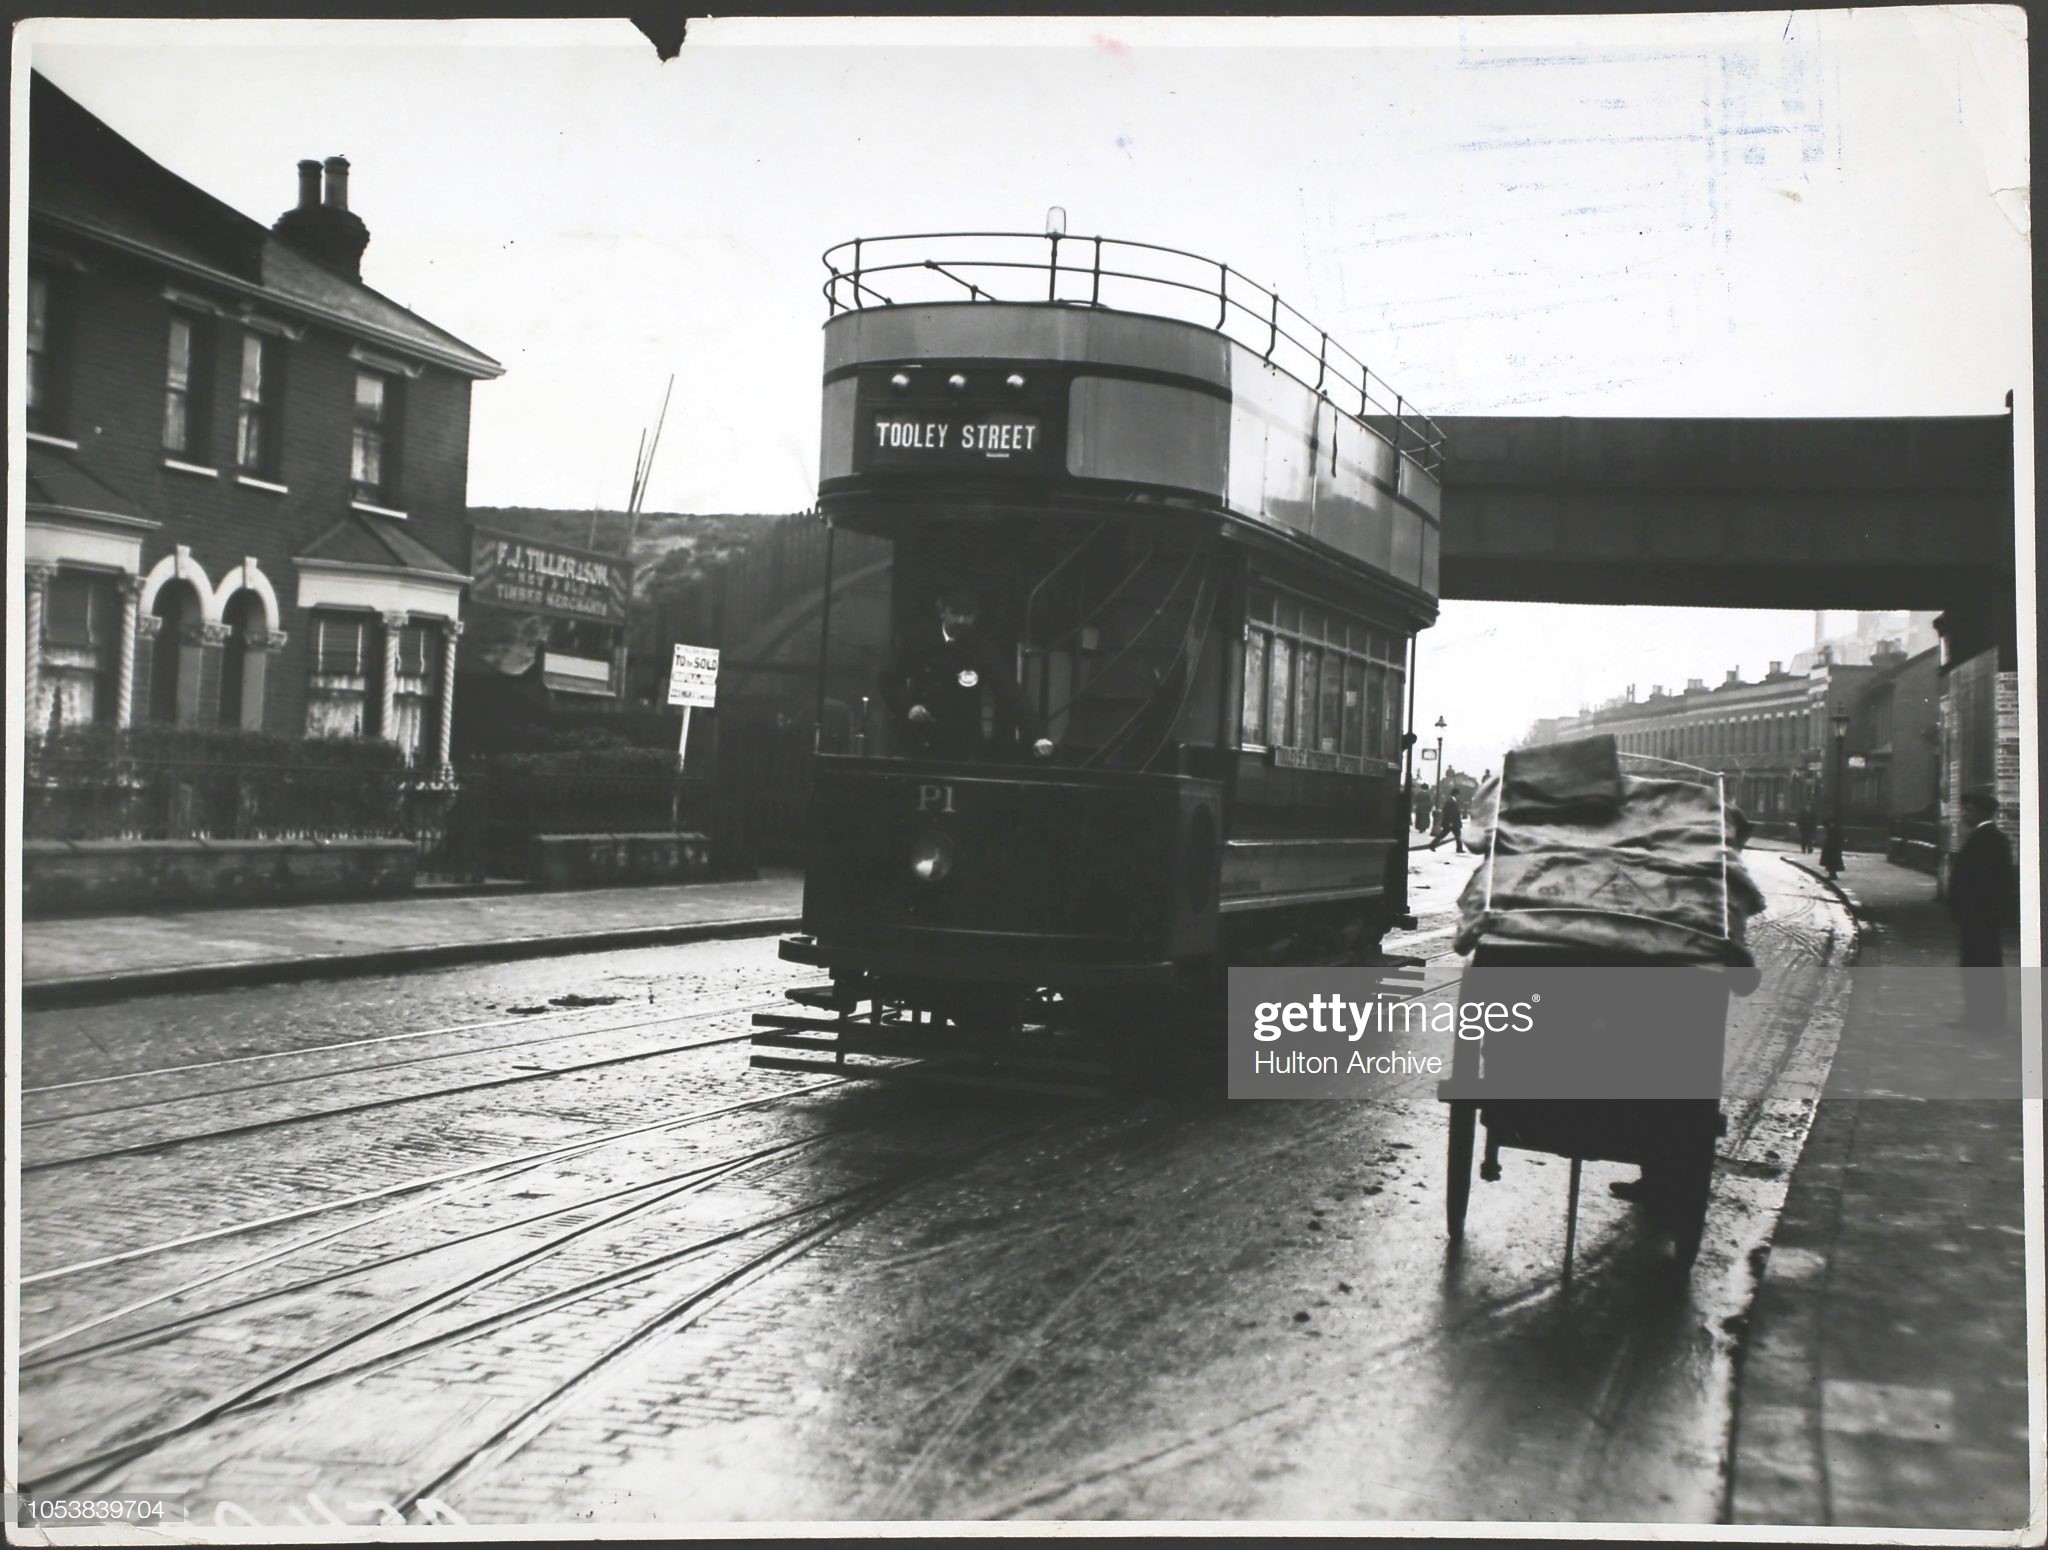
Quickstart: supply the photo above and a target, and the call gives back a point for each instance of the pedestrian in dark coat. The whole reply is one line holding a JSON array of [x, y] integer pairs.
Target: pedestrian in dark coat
[[1980, 895], [1831, 852], [1806, 827], [940, 686], [1450, 823]]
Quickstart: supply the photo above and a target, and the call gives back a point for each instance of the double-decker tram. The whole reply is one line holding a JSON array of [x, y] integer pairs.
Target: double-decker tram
[[1160, 551]]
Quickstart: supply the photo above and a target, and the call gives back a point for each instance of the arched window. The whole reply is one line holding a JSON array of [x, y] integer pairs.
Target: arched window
[[174, 660], [241, 691]]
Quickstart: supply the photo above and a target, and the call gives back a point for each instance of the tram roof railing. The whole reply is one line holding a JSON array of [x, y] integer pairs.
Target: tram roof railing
[[1245, 311]]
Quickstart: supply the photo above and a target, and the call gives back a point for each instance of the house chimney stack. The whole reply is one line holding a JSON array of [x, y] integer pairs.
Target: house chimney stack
[[1777, 668], [1734, 677], [1694, 685], [325, 229]]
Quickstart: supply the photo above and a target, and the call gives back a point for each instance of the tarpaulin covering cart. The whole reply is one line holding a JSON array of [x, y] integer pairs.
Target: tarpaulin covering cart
[[1596, 860]]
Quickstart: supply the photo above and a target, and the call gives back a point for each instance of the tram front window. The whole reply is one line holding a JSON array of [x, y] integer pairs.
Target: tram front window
[[951, 690], [1037, 642]]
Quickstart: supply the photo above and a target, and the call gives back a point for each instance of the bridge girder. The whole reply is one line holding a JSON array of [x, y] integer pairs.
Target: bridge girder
[[1753, 513]]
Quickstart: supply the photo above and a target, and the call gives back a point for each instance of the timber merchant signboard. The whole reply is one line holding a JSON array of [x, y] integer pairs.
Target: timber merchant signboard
[[517, 573]]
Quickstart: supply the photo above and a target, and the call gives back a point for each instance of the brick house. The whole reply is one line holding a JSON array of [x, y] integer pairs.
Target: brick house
[[246, 470]]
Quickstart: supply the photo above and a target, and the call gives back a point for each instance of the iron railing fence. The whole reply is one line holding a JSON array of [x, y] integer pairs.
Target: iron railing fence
[[1137, 277], [67, 797], [479, 823]]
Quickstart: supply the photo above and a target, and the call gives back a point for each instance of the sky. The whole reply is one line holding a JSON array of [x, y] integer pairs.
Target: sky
[[1789, 213]]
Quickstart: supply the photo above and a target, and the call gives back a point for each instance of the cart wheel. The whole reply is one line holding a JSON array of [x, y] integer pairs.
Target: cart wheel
[[1458, 1177]]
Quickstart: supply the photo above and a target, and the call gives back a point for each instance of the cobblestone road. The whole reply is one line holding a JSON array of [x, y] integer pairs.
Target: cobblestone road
[[530, 1243]]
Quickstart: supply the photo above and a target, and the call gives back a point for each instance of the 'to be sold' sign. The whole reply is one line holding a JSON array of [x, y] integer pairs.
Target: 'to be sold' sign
[[693, 677], [692, 684]]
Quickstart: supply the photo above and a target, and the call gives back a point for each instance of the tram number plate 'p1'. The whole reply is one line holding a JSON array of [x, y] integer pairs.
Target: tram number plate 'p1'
[[901, 440]]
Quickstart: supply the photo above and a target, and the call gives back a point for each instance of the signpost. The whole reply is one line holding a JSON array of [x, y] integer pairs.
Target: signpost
[[692, 682]]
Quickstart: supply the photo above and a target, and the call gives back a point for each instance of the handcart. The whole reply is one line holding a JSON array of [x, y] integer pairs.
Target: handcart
[[1572, 840]]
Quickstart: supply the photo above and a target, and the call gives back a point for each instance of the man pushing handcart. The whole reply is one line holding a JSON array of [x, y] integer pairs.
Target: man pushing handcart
[[1613, 898]]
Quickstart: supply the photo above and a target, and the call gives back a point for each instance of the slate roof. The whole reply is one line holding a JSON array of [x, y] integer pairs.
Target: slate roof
[[85, 176], [56, 483], [359, 539]]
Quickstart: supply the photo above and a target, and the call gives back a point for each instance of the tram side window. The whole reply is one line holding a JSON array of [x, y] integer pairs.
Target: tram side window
[[1319, 682], [1253, 729], [1375, 675], [1279, 700], [1307, 664], [1359, 713], [1329, 724]]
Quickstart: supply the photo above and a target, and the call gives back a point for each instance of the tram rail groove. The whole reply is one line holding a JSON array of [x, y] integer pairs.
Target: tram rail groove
[[478, 1174], [130, 984], [530, 1422], [262, 1392], [516, 1019], [77, 1115], [84, 1473], [257, 1127], [156, 1334]]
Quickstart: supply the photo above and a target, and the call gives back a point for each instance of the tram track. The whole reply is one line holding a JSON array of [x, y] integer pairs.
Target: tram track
[[278, 1386], [143, 1072], [477, 1176], [747, 1004], [156, 1334], [505, 1442], [371, 1105]]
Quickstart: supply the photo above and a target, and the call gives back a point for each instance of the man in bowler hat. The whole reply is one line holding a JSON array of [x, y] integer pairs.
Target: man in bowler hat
[[1980, 893]]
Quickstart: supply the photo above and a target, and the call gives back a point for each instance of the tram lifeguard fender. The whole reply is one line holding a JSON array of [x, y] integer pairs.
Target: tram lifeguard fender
[[1579, 855]]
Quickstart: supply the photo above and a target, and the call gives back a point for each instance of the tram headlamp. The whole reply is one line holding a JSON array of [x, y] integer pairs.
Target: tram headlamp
[[931, 858], [1015, 381], [957, 382], [900, 382]]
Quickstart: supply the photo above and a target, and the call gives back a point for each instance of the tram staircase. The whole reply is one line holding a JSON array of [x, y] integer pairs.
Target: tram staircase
[[1123, 701]]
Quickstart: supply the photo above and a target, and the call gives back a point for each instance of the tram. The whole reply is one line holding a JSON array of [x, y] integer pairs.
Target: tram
[[1202, 537]]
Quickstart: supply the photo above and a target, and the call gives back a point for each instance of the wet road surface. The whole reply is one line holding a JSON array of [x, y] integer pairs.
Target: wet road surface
[[530, 1243]]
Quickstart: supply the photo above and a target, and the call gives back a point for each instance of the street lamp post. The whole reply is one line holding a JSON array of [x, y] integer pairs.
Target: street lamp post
[[1840, 722], [1437, 801]]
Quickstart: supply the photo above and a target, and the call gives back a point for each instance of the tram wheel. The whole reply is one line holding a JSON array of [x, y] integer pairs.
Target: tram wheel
[[1458, 1172]]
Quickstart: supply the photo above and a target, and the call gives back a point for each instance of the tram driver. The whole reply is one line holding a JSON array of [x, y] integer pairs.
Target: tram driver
[[942, 684]]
